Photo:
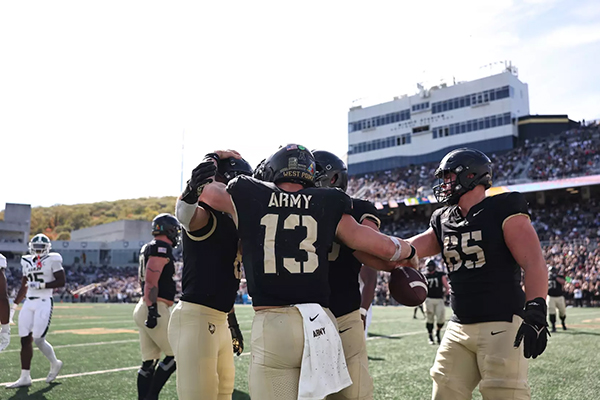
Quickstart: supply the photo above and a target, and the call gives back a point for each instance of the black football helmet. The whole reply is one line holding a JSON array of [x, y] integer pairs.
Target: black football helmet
[[166, 224], [229, 168], [471, 168], [331, 170], [292, 163], [258, 171], [552, 270], [431, 265]]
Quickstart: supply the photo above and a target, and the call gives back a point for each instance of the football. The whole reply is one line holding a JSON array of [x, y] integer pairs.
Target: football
[[408, 286]]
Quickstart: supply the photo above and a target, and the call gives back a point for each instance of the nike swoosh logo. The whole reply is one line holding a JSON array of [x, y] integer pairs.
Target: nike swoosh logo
[[474, 214], [313, 318], [345, 330], [495, 333]]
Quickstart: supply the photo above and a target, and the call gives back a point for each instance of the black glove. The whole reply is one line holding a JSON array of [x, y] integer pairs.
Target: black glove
[[202, 175], [236, 335], [534, 329], [152, 316]]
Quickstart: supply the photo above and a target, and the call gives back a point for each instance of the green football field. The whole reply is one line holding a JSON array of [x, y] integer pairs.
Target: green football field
[[99, 347]]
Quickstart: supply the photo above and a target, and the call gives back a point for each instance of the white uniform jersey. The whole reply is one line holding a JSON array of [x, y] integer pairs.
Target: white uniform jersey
[[2, 262], [41, 270]]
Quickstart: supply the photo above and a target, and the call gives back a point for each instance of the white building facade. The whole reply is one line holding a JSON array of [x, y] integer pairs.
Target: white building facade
[[422, 128]]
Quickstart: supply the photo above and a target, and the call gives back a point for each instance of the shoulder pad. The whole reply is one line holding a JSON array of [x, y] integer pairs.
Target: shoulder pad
[[55, 257]]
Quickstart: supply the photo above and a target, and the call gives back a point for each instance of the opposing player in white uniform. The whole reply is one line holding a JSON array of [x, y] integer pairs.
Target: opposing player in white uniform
[[4, 308], [42, 272]]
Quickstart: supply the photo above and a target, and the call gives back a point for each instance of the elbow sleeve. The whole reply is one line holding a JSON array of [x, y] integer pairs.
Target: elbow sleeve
[[184, 213]]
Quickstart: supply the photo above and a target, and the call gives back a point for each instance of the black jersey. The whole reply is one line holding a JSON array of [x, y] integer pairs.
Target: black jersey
[[286, 237], [344, 268], [211, 274], [555, 288], [484, 276], [166, 284], [436, 284]]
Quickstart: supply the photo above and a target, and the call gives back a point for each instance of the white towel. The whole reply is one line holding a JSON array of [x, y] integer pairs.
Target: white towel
[[324, 370]]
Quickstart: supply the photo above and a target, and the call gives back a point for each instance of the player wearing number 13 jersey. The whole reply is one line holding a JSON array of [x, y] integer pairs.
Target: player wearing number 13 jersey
[[287, 228], [42, 272], [485, 242]]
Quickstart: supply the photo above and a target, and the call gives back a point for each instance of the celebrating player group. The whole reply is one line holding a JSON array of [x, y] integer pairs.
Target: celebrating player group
[[304, 246]]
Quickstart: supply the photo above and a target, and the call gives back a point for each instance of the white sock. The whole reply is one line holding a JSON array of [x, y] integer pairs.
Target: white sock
[[25, 374], [46, 349]]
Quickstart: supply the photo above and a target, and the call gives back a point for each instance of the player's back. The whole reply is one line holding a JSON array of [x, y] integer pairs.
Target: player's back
[[210, 273], [485, 278], [555, 288], [158, 248], [286, 237]]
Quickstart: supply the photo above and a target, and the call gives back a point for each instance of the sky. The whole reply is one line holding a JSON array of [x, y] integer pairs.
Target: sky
[[101, 101]]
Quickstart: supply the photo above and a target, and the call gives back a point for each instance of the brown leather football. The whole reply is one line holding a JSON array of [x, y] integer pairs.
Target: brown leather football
[[408, 286]]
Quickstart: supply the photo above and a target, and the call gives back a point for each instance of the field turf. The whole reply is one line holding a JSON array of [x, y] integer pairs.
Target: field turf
[[98, 344]]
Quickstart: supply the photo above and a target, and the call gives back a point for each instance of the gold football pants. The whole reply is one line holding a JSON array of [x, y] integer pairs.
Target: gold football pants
[[201, 341], [153, 341], [352, 333], [483, 354]]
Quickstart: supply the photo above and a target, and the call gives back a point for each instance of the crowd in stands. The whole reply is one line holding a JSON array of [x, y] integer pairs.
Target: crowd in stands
[[572, 153]]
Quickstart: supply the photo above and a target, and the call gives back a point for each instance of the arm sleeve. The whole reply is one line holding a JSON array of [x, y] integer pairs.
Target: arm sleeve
[[206, 231], [514, 204], [367, 211], [159, 250]]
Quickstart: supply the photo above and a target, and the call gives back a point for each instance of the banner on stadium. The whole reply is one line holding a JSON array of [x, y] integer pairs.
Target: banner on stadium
[[523, 188]]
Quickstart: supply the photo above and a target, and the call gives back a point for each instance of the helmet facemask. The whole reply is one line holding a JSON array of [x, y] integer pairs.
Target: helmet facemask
[[40, 245]]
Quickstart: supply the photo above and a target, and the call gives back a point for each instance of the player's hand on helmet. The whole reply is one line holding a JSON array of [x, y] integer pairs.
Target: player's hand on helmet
[[237, 339], [202, 175], [153, 316], [533, 331], [4, 336]]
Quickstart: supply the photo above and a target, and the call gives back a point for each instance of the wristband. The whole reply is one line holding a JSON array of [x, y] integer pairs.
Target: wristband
[[396, 255], [363, 311], [413, 251]]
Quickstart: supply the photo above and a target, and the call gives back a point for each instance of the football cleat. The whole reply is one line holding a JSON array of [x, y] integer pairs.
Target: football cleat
[[431, 340], [54, 370], [22, 382]]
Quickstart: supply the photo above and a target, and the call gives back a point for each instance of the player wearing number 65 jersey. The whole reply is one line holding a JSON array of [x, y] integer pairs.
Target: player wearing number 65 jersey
[[287, 227], [485, 242], [42, 272]]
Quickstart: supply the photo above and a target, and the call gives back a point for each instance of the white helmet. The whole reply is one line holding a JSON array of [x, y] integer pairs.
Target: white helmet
[[40, 245]]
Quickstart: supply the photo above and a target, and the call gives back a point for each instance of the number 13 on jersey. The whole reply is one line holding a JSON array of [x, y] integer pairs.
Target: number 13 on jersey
[[270, 221]]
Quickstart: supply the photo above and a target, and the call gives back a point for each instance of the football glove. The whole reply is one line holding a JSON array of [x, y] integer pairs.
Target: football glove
[[4, 336], [153, 316], [533, 331], [202, 175], [237, 339]]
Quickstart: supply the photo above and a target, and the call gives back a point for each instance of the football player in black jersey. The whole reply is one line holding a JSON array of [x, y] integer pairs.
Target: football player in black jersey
[[346, 300], [485, 242], [151, 314], [556, 298], [434, 304], [199, 333], [287, 227]]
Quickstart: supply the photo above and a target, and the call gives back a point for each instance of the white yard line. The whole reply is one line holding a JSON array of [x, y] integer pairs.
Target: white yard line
[[80, 374]]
